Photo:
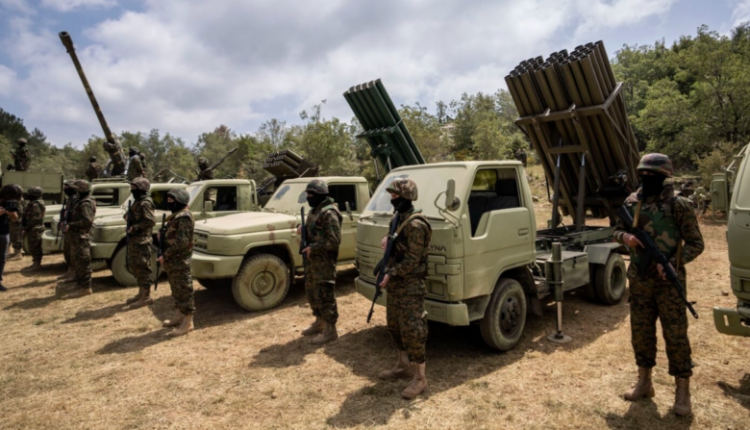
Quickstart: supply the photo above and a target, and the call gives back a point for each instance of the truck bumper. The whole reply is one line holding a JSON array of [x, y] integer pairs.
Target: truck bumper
[[729, 321], [448, 313], [103, 250], [206, 266], [48, 243]]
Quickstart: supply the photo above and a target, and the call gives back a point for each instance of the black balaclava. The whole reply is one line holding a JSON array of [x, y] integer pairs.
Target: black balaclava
[[314, 199], [138, 194], [401, 205], [175, 206], [70, 191], [652, 185], [92, 160], [83, 194]]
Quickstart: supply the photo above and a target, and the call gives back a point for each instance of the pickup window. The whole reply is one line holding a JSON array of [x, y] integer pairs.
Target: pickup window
[[226, 198], [107, 196], [492, 190], [342, 194]]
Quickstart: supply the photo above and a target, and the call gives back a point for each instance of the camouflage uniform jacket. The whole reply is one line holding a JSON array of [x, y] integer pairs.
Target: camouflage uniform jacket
[[410, 247], [94, 171], [205, 174], [22, 159], [135, 168], [179, 239], [33, 217], [82, 217], [669, 220], [324, 237], [142, 220]]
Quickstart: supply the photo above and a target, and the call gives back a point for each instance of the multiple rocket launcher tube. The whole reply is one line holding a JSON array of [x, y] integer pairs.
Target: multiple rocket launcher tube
[[571, 105]]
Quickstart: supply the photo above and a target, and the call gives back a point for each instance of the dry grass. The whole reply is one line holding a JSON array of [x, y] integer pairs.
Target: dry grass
[[86, 364]]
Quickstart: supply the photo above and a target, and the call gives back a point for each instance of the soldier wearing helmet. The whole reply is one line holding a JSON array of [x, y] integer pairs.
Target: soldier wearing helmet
[[95, 169], [16, 230], [404, 282], [79, 233], [135, 165], [140, 216], [22, 157], [670, 221], [70, 202], [33, 225], [9, 196], [116, 157], [323, 226], [178, 252]]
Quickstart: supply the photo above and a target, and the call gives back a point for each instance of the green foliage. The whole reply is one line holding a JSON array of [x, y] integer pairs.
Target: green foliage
[[716, 161]]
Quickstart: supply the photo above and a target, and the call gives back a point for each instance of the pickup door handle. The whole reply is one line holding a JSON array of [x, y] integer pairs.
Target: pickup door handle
[[523, 232]]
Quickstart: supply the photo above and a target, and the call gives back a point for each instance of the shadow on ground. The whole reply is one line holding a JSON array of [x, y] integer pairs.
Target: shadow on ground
[[644, 414], [740, 393]]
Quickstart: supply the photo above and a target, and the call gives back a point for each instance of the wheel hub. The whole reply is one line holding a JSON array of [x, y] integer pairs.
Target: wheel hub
[[510, 315], [263, 284]]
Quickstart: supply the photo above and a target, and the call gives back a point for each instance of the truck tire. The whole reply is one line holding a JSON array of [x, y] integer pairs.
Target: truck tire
[[609, 280], [215, 284], [120, 271], [262, 283], [505, 318]]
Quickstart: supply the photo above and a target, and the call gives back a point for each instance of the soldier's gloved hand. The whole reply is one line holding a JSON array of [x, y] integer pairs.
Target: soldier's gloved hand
[[386, 278], [160, 260], [384, 242], [307, 252], [299, 229], [663, 274], [631, 241]]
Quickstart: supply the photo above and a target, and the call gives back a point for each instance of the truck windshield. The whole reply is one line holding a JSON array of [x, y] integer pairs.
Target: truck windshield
[[430, 183], [743, 188], [289, 198], [193, 190]]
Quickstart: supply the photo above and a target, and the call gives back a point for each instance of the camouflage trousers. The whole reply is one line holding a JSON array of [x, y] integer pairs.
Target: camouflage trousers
[[139, 264], [181, 283], [407, 320], [322, 298], [80, 256], [34, 238], [652, 299], [16, 238], [67, 240]]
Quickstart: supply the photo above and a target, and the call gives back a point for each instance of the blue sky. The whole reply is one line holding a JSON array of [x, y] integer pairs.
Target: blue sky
[[185, 66]]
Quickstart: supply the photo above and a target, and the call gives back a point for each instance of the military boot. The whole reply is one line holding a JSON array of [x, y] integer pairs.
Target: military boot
[[643, 388], [402, 369], [35, 266], [81, 292], [316, 327], [69, 274], [329, 335], [15, 256], [186, 326], [135, 298], [144, 299], [175, 321], [418, 383], [682, 406]]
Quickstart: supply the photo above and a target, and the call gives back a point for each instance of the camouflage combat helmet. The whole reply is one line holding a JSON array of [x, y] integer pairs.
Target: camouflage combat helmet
[[405, 188], [133, 150], [317, 186], [179, 195], [82, 186], [141, 184], [21, 141], [203, 162], [657, 163], [35, 192]]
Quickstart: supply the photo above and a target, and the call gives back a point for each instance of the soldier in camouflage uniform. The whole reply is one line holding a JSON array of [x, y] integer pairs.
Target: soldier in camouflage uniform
[[142, 221], [206, 174], [115, 155], [16, 233], [670, 221], [323, 237], [33, 226], [95, 170], [135, 168], [81, 221], [22, 157], [404, 281], [175, 260], [70, 194]]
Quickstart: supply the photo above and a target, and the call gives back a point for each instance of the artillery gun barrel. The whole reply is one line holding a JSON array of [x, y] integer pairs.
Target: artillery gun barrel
[[67, 41]]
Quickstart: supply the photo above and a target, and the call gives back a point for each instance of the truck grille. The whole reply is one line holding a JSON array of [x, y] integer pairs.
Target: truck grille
[[200, 241]]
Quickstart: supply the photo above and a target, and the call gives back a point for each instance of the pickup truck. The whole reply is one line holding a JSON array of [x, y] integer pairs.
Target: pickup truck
[[233, 196], [487, 262], [258, 253]]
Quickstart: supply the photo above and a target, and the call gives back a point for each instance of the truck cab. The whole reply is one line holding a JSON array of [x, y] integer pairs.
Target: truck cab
[[233, 196], [258, 253]]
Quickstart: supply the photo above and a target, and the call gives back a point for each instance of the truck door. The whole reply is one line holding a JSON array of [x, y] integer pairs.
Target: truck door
[[499, 228], [224, 199], [342, 193]]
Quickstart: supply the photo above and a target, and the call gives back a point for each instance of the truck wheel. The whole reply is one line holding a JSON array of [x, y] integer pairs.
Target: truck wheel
[[262, 283], [609, 282], [215, 284], [120, 271], [505, 318]]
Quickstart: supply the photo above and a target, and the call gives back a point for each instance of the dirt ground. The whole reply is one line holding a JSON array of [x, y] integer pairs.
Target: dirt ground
[[87, 364]]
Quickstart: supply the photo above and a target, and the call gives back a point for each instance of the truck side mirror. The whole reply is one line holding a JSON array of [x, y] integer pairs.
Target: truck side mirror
[[349, 211], [719, 198], [451, 201], [208, 206]]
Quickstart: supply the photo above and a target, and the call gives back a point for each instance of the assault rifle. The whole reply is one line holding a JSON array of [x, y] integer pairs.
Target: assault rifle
[[380, 269], [128, 224], [654, 255], [303, 241], [160, 238], [62, 222], [216, 164]]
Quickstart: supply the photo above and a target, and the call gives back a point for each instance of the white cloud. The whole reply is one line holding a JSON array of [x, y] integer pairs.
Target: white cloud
[[67, 5], [17, 6], [188, 66], [741, 12], [7, 80]]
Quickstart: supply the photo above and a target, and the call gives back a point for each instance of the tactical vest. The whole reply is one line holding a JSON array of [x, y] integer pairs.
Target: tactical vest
[[315, 231], [171, 232], [657, 219], [143, 201], [400, 243]]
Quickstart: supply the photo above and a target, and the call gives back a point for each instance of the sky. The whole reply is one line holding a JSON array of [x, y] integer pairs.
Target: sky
[[186, 66]]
